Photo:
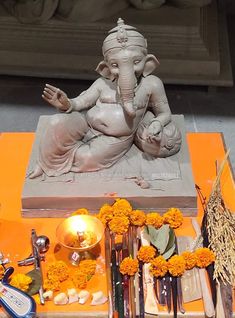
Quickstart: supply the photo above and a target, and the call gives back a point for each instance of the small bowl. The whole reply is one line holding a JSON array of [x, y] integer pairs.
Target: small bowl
[[70, 227]]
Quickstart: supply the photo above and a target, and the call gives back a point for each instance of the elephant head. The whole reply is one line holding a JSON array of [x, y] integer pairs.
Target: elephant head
[[126, 60]]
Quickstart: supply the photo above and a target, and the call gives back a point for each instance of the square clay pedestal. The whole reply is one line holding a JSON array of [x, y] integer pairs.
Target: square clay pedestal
[[59, 196]]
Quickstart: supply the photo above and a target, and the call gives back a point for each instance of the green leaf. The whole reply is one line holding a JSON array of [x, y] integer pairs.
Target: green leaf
[[159, 237], [171, 240], [36, 283], [153, 234], [169, 252], [145, 230]]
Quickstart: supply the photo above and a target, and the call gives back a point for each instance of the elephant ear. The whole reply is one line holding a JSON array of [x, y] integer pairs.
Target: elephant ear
[[103, 69], [150, 64]]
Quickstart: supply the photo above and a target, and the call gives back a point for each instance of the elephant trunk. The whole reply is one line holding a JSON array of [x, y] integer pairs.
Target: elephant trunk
[[126, 83]]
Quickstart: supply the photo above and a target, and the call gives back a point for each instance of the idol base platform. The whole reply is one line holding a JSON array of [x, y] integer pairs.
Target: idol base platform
[[170, 179]]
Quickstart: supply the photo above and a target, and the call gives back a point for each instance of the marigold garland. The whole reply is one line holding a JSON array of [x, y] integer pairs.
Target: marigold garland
[[154, 219], [190, 259], [118, 217], [119, 224], [137, 217], [21, 281], [176, 265], [129, 266], [105, 213], [159, 266], [204, 257], [121, 207], [146, 254], [173, 217]]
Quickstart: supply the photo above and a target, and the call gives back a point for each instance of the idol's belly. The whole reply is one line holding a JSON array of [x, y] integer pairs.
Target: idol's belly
[[110, 120]]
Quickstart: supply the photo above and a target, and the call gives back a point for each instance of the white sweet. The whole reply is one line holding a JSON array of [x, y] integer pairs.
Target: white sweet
[[73, 295], [98, 298], [61, 299], [48, 295], [83, 296]]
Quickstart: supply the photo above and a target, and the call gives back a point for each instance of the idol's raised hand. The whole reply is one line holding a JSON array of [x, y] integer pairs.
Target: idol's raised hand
[[56, 97]]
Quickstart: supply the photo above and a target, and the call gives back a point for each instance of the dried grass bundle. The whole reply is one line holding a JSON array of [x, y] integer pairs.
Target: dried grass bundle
[[221, 232]]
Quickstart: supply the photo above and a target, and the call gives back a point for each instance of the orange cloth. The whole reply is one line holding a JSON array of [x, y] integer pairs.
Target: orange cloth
[[15, 149]]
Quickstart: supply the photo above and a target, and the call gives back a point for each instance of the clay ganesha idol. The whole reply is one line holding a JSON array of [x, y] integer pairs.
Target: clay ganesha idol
[[125, 105]]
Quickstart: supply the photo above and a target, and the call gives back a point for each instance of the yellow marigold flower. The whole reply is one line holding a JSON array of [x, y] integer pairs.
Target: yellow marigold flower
[[106, 213], [51, 284], [190, 259], [154, 219], [137, 217], [79, 279], [173, 217], [97, 215], [37, 299], [146, 254], [2, 270], [204, 257], [82, 211], [176, 265], [21, 281], [129, 266], [88, 267], [119, 224], [158, 266], [59, 270], [121, 207]]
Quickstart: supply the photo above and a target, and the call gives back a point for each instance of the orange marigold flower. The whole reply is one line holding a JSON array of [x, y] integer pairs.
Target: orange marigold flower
[[51, 283], [2, 270], [79, 279], [88, 267], [21, 281], [154, 219], [129, 266], [137, 217], [204, 257], [158, 266], [119, 224], [82, 211], [190, 259], [106, 213], [173, 217], [59, 270], [176, 265], [121, 207], [146, 254]]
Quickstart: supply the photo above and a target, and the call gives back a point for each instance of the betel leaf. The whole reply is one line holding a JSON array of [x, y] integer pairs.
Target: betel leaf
[[36, 281], [153, 234], [170, 249], [171, 240], [159, 237], [168, 253]]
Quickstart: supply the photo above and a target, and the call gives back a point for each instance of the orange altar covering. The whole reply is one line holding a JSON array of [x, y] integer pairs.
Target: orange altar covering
[[15, 149]]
